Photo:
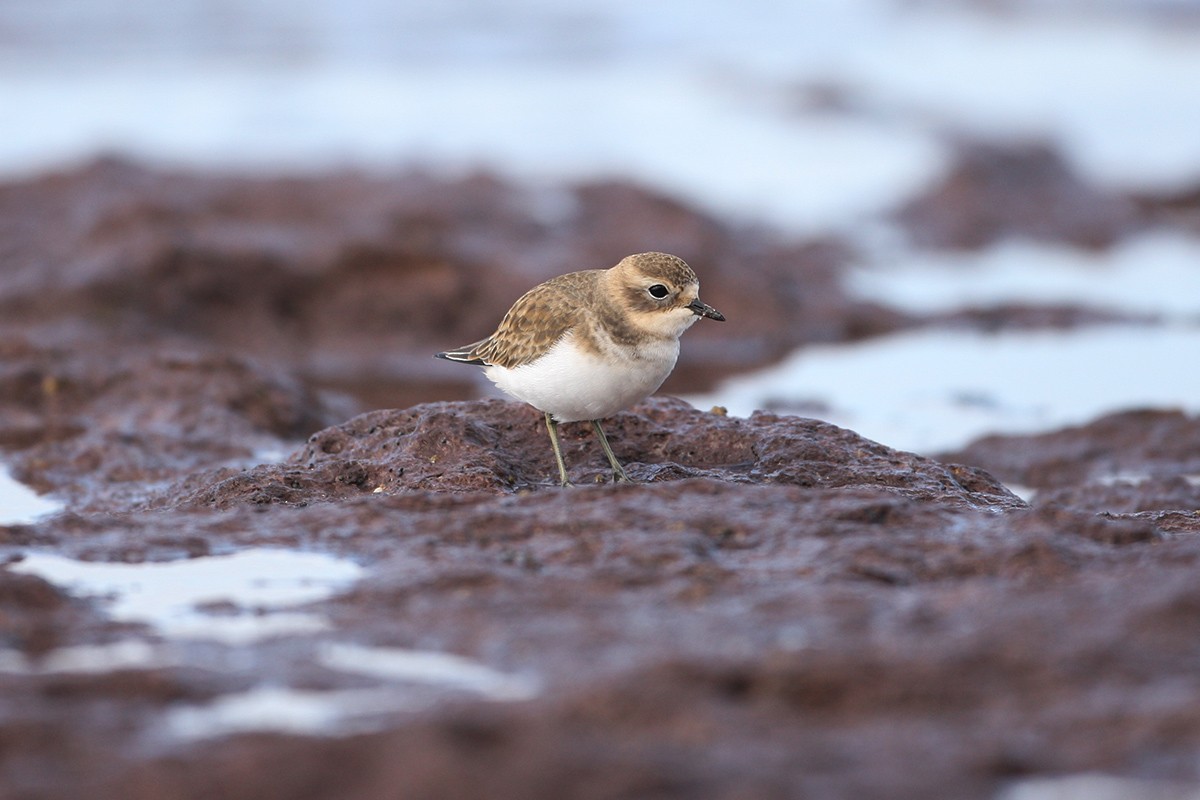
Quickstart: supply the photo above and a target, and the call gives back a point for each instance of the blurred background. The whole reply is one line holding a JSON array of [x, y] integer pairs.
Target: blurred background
[[1017, 183]]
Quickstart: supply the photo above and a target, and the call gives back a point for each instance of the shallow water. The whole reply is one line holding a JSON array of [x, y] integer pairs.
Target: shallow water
[[409, 680], [421, 666], [938, 389], [90, 658], [259, 585], [1097, 786], [284, 710], [1155, 273], [812, 117], [933, 390], [20, 505], [257, 589], [808, 115]]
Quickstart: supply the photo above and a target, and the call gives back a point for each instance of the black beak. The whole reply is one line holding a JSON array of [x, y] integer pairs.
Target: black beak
[[705, 310]]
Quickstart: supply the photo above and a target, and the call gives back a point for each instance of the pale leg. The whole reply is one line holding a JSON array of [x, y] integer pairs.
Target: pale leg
[[552, 427], [618, 471]]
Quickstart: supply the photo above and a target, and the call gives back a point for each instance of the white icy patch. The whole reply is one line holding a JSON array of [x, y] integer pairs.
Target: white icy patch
[[603, 88], [283, 710], [85, 658], [257, 583], [1097, 786], [411, 680], [260, 587], [428, 667], [932, 390], [21, 505], [1151, 273]]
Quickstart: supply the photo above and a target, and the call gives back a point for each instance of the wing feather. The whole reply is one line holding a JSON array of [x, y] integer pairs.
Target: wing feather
[[541, 317]]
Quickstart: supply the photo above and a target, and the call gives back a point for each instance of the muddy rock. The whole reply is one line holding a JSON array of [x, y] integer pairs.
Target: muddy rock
[[34, 613], [105, 423], [994, 192], [710, 636], [1134, 464], [353, 282], [1126, 446], [502, 446], [758, 617], [777, 608], [1177, 209], [1028, 316]]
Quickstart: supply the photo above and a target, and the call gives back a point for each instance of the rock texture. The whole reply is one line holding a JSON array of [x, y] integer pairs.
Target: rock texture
[[353, 281], [1135, 464], [998, 191], [779, 608]]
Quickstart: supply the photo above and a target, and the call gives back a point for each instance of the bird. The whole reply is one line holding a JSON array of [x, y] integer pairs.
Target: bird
[[585, 345]]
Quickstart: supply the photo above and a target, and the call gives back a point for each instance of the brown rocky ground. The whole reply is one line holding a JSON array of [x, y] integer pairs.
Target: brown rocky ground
[[352, 281], [994, 191], [780, 608]]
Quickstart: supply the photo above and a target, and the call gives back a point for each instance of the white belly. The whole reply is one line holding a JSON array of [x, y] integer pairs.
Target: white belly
[[573, 384]]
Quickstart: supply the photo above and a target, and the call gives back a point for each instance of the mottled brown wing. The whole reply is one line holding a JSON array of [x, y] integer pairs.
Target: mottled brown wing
[[535, 322]]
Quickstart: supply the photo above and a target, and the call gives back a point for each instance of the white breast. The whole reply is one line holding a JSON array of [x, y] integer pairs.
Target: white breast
[[574, 384]]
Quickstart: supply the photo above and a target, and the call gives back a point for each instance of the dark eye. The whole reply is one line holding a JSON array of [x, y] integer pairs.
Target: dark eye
[[658, 291]]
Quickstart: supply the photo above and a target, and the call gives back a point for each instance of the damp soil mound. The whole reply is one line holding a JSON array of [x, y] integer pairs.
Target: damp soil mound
[[777, 608], [1134, 464], [500, 446], [352, 281]]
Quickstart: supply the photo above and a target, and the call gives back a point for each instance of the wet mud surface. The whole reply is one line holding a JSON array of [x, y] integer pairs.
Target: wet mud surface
[[352, 281], [778, 608], [994, 191]]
